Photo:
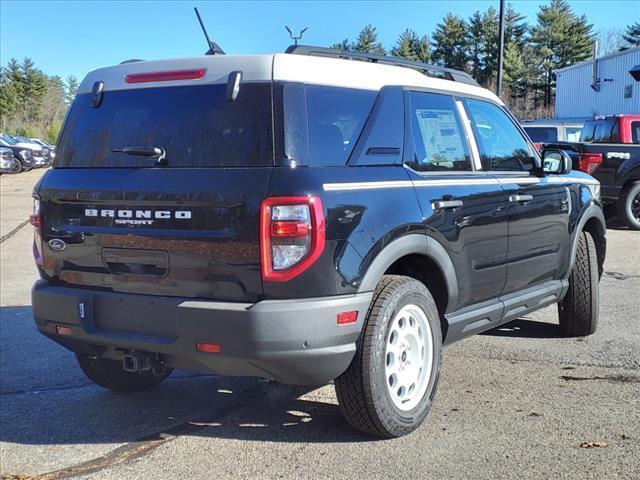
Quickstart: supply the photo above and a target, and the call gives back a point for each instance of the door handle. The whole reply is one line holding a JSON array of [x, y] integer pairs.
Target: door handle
[[520, 198], [446, 204]]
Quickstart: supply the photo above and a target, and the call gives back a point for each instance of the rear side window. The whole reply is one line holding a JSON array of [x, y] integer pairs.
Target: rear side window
[[195, 125], [502, 147], [322, 124], [438, 139], [572, 134], [635, 132], [542, 134]]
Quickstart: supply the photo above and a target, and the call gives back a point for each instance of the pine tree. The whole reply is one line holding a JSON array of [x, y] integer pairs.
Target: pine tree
[[632, 35], [367, 41], [35, 88], [9, 99], [450, 42], [412, 47], [559, 38], [482, 39], [515, 27], [72, 89], [343, 45]]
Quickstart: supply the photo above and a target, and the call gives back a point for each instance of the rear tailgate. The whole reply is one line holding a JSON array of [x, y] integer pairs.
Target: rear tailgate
[[182, 232], [188, 228]]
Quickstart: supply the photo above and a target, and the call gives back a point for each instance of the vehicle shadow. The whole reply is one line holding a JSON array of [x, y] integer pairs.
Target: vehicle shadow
[[45, 399], [220, 407], [524, 328], [614, 223]]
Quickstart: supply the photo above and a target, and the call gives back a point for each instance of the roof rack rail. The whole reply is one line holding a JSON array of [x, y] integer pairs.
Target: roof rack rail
[[429, 70]]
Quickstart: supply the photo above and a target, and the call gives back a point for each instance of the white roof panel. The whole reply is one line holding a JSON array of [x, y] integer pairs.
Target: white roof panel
[[280, 67]]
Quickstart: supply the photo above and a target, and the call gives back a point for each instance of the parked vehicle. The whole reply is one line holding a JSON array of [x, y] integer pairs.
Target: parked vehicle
[[304, 217], [609, 149], [42, 158], [551, 130], [8, 163], [24, 154]]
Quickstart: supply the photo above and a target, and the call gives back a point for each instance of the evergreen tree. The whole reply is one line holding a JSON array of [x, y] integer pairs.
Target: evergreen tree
[[35, 88], [450, 42], [367, 41], [72, 88], [515, 27], [559, 38], [412, 47], [343, 45], [632, 35], [9, 99], [482, 40]]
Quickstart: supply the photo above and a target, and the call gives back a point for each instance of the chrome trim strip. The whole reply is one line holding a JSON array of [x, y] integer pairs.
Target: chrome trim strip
[[333, 187]]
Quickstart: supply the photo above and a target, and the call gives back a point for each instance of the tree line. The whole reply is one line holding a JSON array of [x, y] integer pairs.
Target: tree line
[[32, 103], [558, 38]]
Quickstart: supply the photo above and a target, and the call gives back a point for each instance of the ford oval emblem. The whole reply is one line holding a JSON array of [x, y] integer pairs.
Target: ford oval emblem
[[57, 244]]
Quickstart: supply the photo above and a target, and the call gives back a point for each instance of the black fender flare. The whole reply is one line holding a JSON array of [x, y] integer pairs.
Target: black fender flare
[[407, 245], [592, 211]]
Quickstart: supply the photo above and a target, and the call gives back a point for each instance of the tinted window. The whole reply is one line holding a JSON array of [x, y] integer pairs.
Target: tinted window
[[587, 132], [542, 134], [572, 134], [195, 125], [502, 147], [635, 132], [438, 138], [322, 124]]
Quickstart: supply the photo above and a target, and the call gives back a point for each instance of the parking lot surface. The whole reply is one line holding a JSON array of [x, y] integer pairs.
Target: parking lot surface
[[516, 402]]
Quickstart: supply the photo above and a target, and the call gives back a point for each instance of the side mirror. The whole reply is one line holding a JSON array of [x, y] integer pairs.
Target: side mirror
[[556, 161]]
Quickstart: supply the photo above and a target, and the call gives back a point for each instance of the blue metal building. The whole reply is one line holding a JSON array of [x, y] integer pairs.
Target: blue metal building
[[600, 87]]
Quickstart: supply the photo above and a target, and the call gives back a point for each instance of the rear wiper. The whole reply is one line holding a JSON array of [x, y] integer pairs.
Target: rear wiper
[[145, 151]]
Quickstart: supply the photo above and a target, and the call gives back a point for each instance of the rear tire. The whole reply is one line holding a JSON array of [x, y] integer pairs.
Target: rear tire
[[388, 389], [579, 310], [110, 374], [629, 206]]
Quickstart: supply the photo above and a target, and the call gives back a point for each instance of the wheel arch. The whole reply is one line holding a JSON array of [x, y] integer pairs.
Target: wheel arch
[[420, 257], [592, 221]]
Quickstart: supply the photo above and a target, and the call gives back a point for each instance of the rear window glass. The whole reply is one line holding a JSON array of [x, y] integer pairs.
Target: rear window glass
[[322, 124], [599, 131], [195, 125], [542, 134]]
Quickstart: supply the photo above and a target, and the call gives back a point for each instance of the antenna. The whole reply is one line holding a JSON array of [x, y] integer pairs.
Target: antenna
[[294, 38], [214, 48]]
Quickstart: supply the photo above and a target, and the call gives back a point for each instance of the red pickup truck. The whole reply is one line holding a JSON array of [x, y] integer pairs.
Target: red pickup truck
[[609, 150]]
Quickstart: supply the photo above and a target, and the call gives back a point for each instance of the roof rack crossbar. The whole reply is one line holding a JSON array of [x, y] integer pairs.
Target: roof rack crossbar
[[429, 70]]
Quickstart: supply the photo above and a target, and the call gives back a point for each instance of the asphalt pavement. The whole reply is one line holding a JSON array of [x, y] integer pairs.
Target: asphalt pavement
[[516, 402]]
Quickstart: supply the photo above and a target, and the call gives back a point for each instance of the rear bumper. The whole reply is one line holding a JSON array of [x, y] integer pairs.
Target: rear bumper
[[292, 341]]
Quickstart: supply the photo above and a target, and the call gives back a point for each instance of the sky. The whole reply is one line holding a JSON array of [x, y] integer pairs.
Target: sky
[[73, 37]]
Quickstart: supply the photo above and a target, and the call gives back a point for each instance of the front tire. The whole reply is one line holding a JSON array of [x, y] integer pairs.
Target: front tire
[[579, 310], [629, 206], [110, 374], [388, 389]]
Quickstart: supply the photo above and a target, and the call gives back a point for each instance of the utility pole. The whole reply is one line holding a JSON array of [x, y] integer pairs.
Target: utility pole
[[500, 51], [294, 38]]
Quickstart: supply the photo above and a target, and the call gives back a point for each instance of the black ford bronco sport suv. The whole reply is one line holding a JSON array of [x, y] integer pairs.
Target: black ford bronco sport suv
[[308, 216]]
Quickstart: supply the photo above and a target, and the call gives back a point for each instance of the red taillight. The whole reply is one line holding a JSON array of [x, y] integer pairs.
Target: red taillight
[[589, 162], [36, 220], [165, 76], [292, 236], [62, 330], [346, 318], [289, 229], [208, 347]]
